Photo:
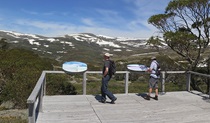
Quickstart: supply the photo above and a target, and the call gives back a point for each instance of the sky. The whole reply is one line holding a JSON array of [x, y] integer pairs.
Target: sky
[[114, 18]]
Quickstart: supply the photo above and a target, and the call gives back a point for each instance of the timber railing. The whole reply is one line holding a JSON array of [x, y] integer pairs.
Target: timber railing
[[36, 97]]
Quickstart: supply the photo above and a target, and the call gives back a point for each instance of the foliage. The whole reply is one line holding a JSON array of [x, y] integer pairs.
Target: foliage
[[155, 41], [59, 85], [201, 82], [3, 44], [12, 120], [120, 66], [138, 86], [185, 27], [20, 70]]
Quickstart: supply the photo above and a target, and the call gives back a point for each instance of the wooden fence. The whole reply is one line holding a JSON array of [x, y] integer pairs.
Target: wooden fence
[[36, 97]]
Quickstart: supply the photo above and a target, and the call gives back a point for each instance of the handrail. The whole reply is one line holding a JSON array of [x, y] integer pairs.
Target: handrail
[[36, 97], [199, 74], [100, 72], [37, 94]]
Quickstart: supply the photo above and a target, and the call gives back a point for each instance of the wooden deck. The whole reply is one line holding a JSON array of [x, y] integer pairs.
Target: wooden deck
[[172, 107]]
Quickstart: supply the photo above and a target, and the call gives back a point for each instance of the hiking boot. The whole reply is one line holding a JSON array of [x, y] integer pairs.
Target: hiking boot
[[103, 101], [156, 97], [113, 101], [147, 97]]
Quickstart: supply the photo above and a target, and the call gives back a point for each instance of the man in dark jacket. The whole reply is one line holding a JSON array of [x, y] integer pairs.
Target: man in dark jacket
[[105, 80]]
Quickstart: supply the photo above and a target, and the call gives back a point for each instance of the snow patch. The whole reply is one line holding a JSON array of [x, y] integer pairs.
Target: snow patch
[[106, 49], [117, 50]]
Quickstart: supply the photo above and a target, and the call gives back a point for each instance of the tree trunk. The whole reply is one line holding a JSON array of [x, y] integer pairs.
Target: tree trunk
[[208, 72]]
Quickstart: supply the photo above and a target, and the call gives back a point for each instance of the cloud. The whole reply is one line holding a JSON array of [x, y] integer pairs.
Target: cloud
[[52, 28], [59, 29], [110, 17], [40, 24], [108, 13], [29, 12], [88, 22], [143, 10], [113, 22], [36, 13]]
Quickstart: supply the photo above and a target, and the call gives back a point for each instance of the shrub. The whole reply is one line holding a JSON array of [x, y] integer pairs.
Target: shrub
[[59, 85], [20, 70]]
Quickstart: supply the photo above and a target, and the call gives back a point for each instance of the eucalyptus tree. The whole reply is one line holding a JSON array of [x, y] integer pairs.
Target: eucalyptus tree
[[185, 27]]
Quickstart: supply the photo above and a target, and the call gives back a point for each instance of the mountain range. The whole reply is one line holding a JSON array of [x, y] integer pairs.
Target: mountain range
[[78, 47]]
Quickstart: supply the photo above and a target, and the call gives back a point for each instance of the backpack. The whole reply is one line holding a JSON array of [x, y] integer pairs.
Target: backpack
[[158, 70], [112, 68]]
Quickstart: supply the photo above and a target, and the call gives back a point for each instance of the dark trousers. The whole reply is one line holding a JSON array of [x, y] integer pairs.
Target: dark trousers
[[104, 89]]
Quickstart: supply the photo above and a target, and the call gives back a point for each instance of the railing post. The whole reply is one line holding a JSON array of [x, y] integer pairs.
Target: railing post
[[209, 88], [42, 93], [44, 84], [31, 113], [163, 82], [126, 82], [188, 81], [41, 98], [84, 83]]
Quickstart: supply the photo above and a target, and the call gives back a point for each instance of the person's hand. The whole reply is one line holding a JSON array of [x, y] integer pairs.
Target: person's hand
[[148, 70]]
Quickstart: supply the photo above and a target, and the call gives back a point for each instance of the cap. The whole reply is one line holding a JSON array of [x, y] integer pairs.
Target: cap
[[153, 58], [108, 55]]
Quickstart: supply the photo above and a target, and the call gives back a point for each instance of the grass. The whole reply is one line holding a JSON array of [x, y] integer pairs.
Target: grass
[[2, 108], [119, 87], [95, 87], [139, 85], [10, 119]]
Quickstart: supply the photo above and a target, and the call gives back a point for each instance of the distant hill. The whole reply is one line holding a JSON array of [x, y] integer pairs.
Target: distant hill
[[84, 47]]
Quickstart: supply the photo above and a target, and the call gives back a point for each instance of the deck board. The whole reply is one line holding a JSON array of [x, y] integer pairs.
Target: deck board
[[172, 107]]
